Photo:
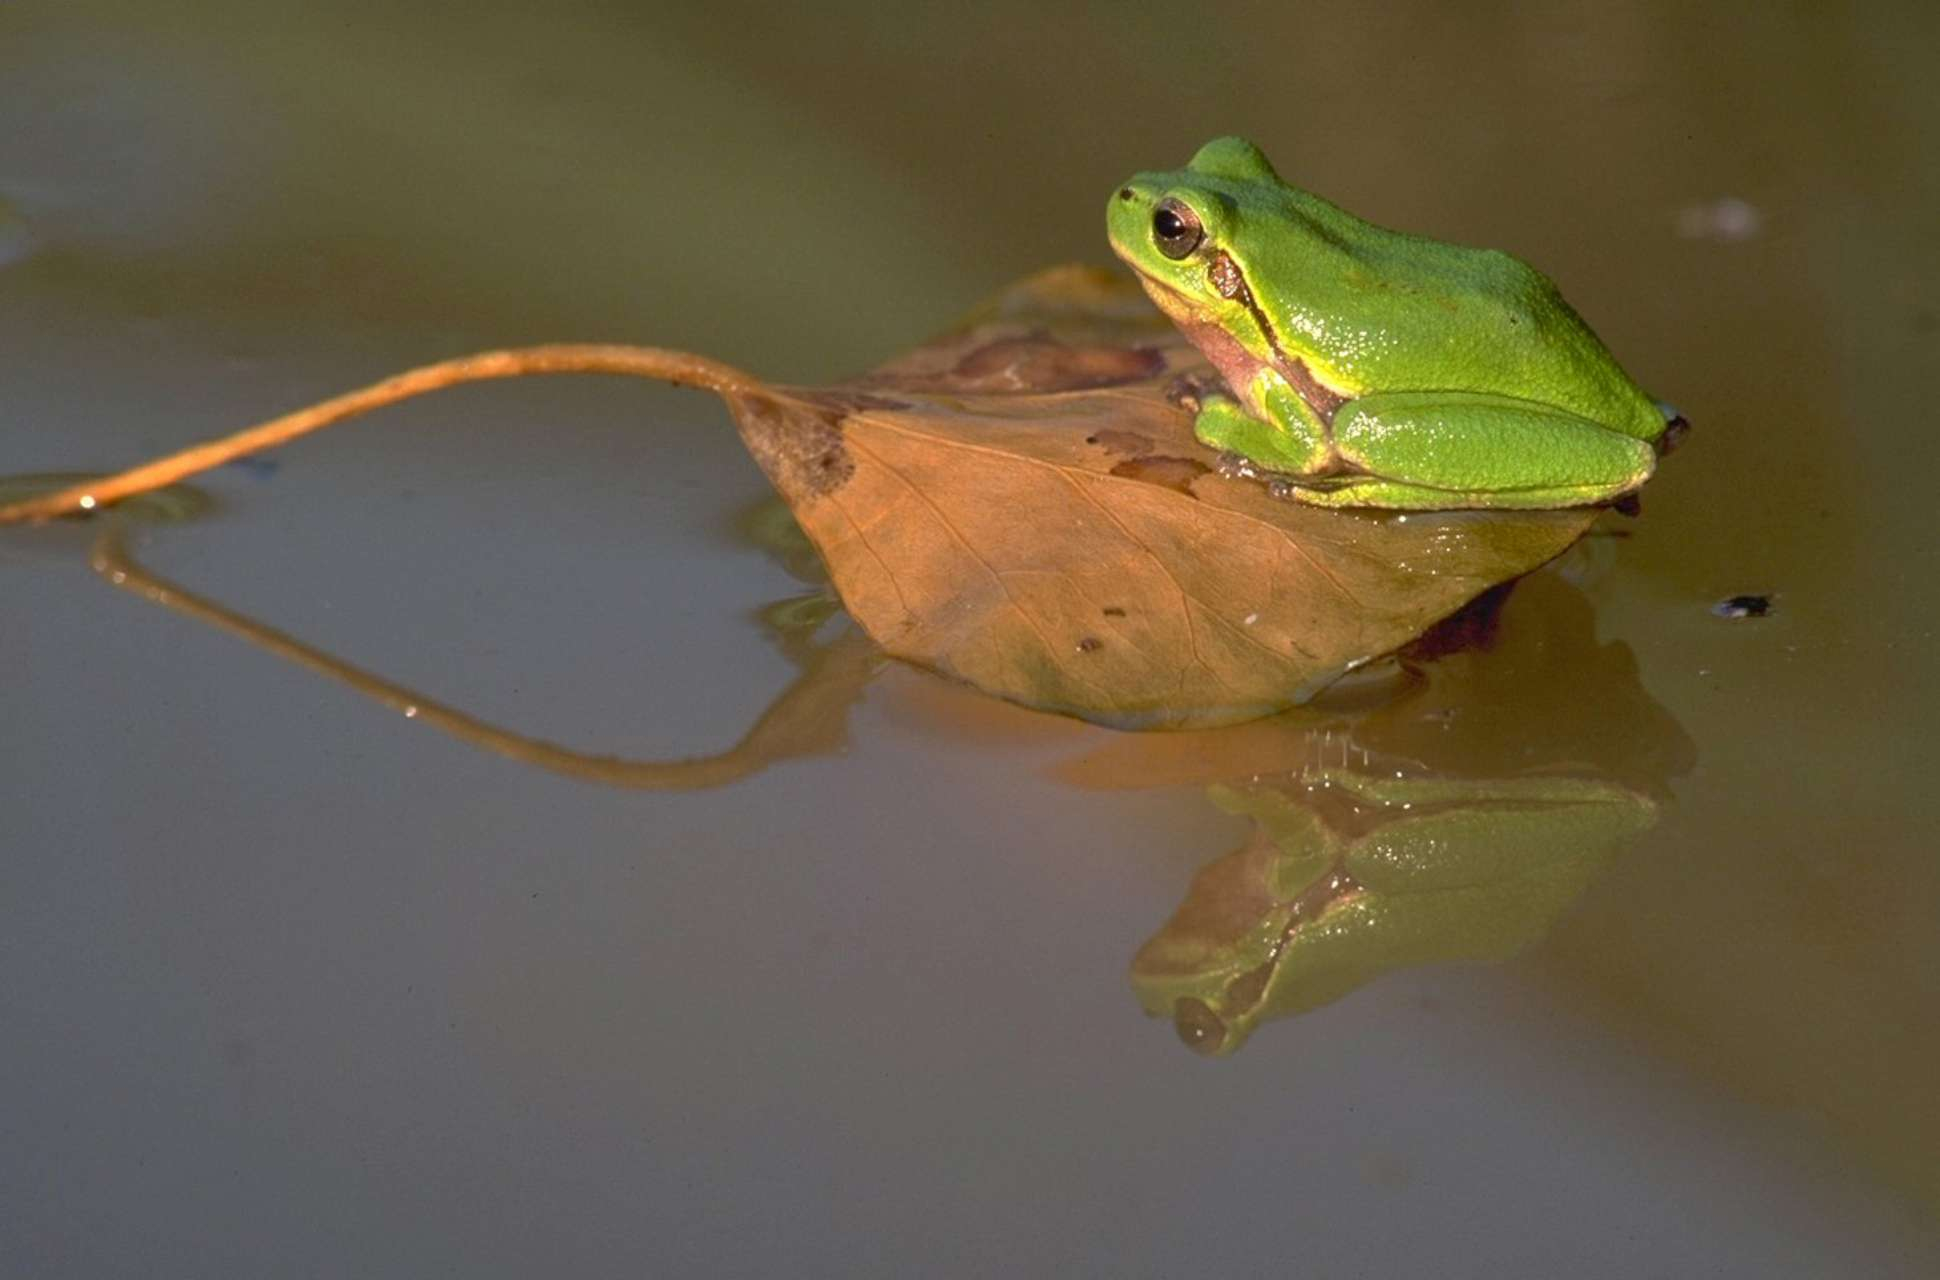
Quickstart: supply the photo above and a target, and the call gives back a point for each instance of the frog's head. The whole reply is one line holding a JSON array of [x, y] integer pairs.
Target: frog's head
[[1195, 235]]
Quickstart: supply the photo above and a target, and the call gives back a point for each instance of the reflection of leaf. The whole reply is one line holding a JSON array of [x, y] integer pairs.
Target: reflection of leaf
[[1022, 506], [807, 718], [769, 525]]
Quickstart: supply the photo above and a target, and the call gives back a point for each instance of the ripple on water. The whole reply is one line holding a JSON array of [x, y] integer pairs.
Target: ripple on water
[[15, 242], [169, 504]]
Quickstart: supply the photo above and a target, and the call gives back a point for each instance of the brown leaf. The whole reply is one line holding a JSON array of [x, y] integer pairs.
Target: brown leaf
[[1021, 504]]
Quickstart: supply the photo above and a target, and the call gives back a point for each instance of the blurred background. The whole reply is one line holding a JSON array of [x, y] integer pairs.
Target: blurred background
[[292, 986]]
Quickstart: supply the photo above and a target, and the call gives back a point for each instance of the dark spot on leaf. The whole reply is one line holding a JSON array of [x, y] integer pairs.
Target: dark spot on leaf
[[1126, 442], [1042, 363], [1743, 607], [1113, 611], [1173, 473], [1090, 644], [798, 444]]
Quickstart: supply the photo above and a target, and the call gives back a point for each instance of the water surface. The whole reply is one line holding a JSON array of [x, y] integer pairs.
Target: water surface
[[295, 985]]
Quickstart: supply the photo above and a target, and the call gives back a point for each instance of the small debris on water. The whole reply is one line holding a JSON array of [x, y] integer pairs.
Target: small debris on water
[[1725, 219], [1742, 607]]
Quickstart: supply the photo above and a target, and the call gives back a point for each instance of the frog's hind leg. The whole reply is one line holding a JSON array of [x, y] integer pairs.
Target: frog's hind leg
[[1422, 450]]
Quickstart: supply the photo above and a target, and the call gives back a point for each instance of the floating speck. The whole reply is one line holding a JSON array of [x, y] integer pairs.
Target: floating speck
[[1726, 219], [1742, 607]]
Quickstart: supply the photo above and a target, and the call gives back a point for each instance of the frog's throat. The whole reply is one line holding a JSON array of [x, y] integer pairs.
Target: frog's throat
[[1234, 362]]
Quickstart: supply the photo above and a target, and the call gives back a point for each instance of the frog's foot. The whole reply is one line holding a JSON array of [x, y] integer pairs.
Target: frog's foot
[[1190, 392], [1224, 424], [1391, 495], [1676, 427]]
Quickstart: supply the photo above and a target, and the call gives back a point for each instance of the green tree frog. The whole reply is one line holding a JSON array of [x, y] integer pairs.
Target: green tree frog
[[1375, 368]]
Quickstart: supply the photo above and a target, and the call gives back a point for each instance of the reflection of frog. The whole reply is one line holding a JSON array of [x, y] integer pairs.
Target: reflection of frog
[[1351, 874], [1455, 819], [1379, 369]]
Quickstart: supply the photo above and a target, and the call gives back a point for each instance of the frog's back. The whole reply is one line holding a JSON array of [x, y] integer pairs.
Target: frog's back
[[1445, 317]]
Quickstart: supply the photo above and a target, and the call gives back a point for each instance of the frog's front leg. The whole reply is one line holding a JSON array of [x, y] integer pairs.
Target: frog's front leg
[[1289, 439], [1435, 450]]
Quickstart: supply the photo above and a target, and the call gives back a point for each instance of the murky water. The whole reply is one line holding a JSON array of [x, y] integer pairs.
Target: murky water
[[1632, 970]]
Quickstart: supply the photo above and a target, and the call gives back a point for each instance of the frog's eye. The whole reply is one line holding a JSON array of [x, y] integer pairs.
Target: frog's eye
[[1176, 229]]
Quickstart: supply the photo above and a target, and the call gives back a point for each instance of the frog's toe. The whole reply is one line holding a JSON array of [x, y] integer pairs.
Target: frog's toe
[[1224, 425]]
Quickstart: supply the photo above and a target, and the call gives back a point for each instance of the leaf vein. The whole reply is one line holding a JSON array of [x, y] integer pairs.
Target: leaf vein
[[1050, 648]]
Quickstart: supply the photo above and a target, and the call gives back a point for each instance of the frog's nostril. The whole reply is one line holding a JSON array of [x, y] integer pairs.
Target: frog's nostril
[[1125, 193]]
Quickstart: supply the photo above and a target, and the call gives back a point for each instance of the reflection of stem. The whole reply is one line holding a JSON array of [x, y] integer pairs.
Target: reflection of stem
[[806, 719], [678, 367]]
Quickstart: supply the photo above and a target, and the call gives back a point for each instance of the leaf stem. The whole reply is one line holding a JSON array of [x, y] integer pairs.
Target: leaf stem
[[678, 367]]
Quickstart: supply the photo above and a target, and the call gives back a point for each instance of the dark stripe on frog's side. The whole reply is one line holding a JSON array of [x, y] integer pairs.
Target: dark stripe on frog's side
[[1230, 283]]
